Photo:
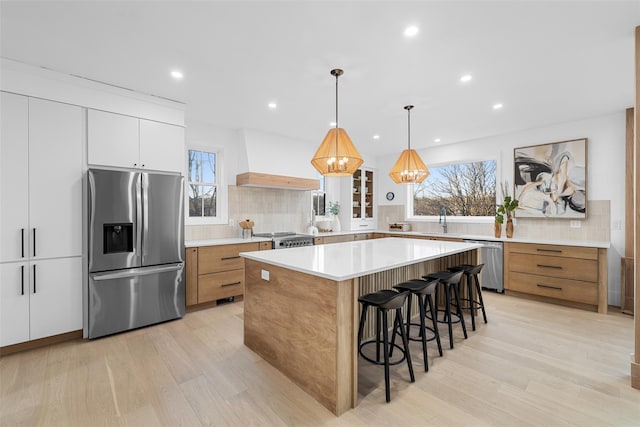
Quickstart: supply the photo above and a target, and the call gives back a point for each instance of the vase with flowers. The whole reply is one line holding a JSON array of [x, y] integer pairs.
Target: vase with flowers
[[334, 209], [506, 208]]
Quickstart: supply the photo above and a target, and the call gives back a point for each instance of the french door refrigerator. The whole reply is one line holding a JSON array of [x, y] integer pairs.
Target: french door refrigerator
[[136, 247]]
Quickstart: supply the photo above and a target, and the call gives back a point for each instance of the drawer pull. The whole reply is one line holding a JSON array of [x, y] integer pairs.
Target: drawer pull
[[557, 267], [229, 257], [548, 287], [557, 251], [230, 284]]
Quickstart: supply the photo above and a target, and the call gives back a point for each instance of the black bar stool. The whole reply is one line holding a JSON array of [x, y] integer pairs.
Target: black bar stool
[[384, 301], [471, 277], [451, 283], [423, 290]]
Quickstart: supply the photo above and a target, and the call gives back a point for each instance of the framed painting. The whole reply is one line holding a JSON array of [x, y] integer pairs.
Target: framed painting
[[550, 180]]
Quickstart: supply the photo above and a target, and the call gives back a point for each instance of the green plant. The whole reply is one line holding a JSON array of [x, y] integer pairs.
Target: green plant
[[507, 207], [334, 208]]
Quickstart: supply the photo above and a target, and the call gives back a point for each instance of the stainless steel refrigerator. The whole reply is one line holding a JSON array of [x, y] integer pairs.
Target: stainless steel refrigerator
[[136, 250]]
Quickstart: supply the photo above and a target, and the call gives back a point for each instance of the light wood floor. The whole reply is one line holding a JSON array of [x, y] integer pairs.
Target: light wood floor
[[533, 364]]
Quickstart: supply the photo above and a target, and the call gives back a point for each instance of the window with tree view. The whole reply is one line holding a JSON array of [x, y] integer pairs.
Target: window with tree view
[[202, 184], [464, 189]]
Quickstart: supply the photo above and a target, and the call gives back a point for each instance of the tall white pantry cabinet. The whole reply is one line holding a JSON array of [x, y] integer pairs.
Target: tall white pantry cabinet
[[41, 166]]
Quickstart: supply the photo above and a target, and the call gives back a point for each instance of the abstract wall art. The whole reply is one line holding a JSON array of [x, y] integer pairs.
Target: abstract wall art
[[551, 180]]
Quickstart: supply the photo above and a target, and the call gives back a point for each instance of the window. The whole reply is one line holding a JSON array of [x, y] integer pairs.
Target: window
[[203, 184], [319, 198], [464, 190]]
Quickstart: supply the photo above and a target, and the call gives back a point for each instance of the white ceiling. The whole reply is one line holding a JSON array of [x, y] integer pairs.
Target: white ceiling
[[547, 62]]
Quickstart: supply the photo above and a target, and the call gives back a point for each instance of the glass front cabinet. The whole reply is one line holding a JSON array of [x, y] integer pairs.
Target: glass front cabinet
[[361, 202]]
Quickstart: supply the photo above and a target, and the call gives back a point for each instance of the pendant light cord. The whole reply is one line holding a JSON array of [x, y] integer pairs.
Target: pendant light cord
[[337, 101]]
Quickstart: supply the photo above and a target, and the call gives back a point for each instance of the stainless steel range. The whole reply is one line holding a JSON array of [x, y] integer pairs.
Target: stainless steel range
[[286, 239]]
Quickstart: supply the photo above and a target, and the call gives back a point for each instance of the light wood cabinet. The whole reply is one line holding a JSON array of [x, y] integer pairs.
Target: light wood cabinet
[[129, 142], [216, 272], [567, 275]]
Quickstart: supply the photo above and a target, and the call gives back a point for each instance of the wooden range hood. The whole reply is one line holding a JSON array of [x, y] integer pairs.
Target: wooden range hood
[[255, 179]]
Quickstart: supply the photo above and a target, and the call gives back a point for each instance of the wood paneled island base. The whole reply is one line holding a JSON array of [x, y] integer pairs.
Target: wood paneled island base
[[306, 325]]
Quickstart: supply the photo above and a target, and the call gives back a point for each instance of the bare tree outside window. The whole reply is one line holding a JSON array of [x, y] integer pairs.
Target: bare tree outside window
[[202, 184], [465, 189]]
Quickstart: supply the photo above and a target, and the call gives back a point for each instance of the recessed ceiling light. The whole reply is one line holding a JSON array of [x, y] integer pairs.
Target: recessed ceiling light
[[466, 78], [272, 105], [376, 136], [332, 124], [411, 31], [436, 140], [497, 106], [177, 75]]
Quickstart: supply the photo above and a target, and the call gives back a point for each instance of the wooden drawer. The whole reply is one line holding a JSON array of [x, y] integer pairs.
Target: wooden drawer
[[265, 246], [215, 286], [565, 289], [337, 239], [569, 268], [212, 259], [553, 250], [363, 236]]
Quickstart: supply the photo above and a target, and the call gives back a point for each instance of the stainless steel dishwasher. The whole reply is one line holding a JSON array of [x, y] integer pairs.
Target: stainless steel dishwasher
[[491, 276]]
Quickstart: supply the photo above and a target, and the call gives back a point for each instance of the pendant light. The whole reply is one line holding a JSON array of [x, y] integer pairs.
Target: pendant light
[[337, 156], [409, 168]]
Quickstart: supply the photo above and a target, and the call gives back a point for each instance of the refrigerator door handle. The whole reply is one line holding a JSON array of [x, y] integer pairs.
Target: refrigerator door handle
[[134, 272], [139, 214], [144, 219]]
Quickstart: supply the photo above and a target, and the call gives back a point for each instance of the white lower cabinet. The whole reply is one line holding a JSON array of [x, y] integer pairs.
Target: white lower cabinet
[[40, 299]]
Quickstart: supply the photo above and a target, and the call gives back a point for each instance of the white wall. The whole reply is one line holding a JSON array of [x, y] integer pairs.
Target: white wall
[[605, 169]]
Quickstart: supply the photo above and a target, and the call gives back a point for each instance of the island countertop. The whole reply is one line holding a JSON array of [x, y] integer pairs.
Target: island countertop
[[347, 260]]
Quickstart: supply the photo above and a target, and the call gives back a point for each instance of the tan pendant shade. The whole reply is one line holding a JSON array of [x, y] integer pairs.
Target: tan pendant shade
[[409, 168], [337, 156]]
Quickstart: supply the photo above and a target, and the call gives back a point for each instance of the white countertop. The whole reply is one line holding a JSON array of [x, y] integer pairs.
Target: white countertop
[[225, 241], [343, 261], [583, 243]]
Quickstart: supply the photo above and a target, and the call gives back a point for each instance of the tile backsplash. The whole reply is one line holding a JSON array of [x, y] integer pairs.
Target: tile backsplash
[[596, 227], [270, 209]]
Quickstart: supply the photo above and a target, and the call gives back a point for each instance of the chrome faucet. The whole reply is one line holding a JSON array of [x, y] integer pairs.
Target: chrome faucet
[[443, 218]]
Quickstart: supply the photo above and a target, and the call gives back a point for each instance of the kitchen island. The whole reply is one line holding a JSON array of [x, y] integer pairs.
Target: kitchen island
[[301, 305]]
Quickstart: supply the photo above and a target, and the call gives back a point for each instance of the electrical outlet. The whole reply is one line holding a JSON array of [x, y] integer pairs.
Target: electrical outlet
[[232, 222], [264, 274], [617, 225], [575, 224]]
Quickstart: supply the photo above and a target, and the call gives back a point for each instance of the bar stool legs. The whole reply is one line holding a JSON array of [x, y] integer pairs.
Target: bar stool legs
[[471, 278], [384, 301], [451, 282], [423, 290]]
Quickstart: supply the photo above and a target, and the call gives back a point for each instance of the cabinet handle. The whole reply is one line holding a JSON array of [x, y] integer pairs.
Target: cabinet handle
[[230, 284], [363, 225], [34, 241], [135, 164], [550, 266], [229, 257], [548, 287], [22, 280], [22, 243], [558, 251], [34, 278]]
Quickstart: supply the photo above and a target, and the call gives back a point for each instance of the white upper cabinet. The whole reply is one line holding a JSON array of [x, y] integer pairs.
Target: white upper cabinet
[[112, 139], [128, 142], [14, 176], [161, 146], [55, 179], [41, 179]]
